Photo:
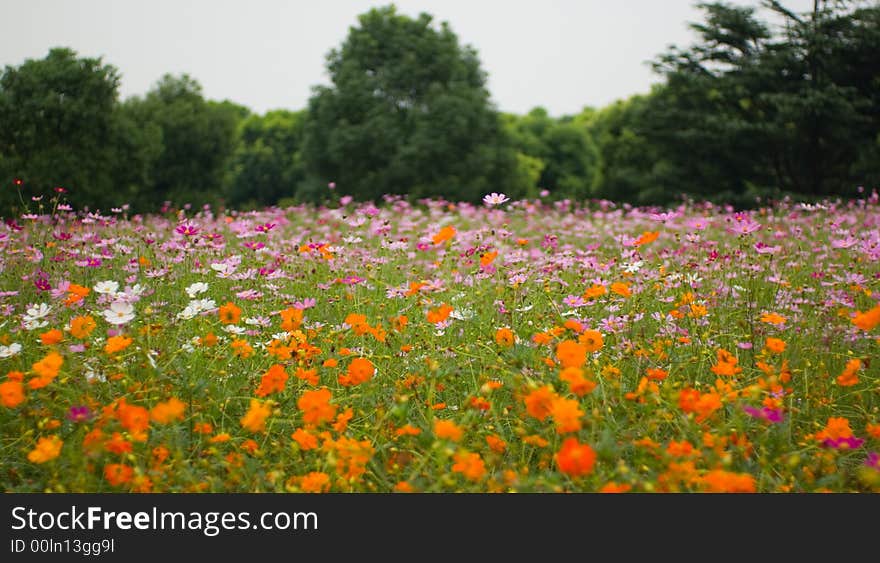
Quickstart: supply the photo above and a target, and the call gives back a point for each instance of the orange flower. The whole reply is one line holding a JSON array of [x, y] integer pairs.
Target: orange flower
[[169, 411], [81, 327], [117, 444], [504, 337], [352, 456], [575, 459], [873, 430], [577, 383], [220, 438], [447, 429], [719, 481], [93, 440], [273, 381], [470, 465], [342, 420], [680, 449], [250, 446], [657, 374], [487, 258], [540, 401], [359, 371], [241, 348], [707, 404], [571, 354], [291, 319], [836, 428], [687, 399], [309, 375], [773, 318], [76, 293], [439, 314], [118, 474], [444, 234], [613, 487], [117, 344], [407, 430], [566, 414], [867, 320], [46, 369], [535, 440], [592, 340], [315, 482], [133, 418], [647, 237], [597, 290], [203, 428], [305, 439], [726, 364], [316, 406], [229, 313], [496, 444], [399, 323], [403, 487], [775, 345], [255, 419], [50, 337], [621, 289], [46, 449], [11, 393], [850, 373], [279, 350], [208, 340]]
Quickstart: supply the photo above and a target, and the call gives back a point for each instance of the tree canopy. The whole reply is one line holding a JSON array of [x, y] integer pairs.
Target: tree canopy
[[765, 103], [407, 112]]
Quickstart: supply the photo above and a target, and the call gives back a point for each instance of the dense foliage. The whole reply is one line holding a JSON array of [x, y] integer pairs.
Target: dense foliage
[[765, 103]]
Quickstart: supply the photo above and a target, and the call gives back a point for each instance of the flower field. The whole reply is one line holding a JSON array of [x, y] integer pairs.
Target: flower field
[[442, 347]]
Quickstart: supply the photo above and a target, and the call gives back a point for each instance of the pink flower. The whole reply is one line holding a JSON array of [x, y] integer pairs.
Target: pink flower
[[187, 229]]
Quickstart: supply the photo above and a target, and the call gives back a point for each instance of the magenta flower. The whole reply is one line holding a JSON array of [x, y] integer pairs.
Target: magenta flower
[[849, 443], [873, 460], [764, 413], [187, 229], [264, 228], [80, 413], [351, 280]]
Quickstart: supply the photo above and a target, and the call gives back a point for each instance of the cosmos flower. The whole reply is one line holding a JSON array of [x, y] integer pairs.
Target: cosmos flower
[[494, 199], [119, 313]]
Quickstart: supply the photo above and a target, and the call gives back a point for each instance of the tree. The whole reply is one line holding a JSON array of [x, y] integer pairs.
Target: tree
[[57, 128], [565, 149], [407, 112], [267, 165], [756, 109], [198, 139]]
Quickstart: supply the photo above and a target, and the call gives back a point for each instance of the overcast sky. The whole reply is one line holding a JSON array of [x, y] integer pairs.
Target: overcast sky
[[267, 54]]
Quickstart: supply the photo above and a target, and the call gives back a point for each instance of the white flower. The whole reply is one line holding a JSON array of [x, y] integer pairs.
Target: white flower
[[11, 350], [119, 313], [39, 311], [106, 287], [34, 316], [223, 270], [462, 314], [196, 289], [234, 329], [203, 305], [633, 267], [495, 199], [188, 313], [33, 324]]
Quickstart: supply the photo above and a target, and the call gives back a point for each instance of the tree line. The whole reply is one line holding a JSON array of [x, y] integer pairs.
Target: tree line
[[753, 110]]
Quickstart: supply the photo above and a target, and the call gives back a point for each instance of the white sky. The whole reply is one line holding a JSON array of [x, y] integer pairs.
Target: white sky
[[267, 54]]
